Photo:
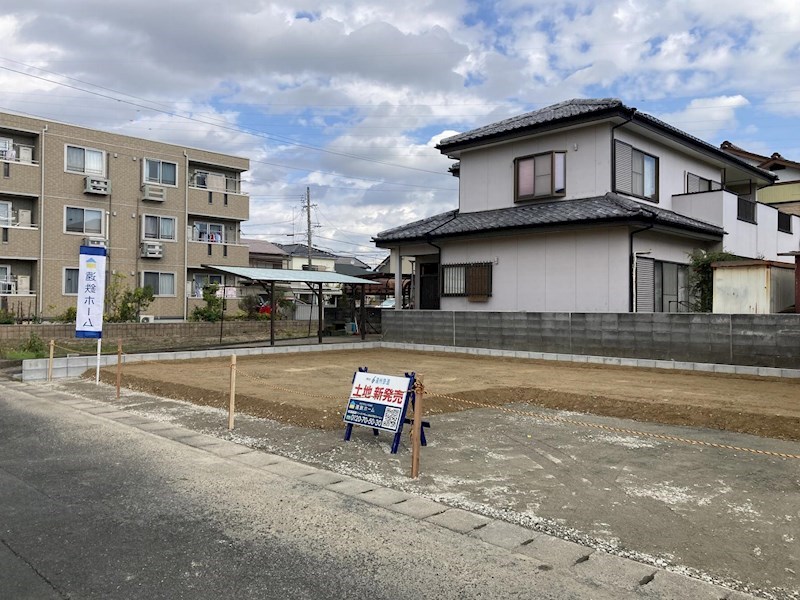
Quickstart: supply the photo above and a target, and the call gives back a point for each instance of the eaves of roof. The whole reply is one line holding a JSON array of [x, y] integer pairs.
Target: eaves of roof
[[577, 111], [608, 209]]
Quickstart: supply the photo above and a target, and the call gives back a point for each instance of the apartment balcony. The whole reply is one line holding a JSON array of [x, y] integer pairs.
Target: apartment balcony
[[20, 177], [19, 241], [217, 253], [219, 203]]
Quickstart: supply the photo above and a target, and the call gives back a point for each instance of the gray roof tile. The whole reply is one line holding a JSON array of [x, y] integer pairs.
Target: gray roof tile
[[556, 112], [600, 209]]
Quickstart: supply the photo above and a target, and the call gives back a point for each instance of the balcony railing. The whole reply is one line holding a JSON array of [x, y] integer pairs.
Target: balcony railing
[[215, 182], [20, 153], [210, 238], [16, 285]]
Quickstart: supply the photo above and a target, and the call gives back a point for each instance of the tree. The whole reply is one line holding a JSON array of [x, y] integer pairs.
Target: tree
[[212, 311], [123, 304], [701, 278]]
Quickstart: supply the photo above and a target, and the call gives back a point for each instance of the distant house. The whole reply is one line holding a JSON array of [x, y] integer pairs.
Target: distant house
[[266, 255], [784, 194], [298, 259], [585, 206]]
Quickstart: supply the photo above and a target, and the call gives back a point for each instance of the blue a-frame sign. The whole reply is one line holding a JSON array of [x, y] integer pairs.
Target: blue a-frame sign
[[381, 403]]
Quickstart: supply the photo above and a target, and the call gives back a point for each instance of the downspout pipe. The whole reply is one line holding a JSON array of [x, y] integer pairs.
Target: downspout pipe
[[632, 265], [40, 284]]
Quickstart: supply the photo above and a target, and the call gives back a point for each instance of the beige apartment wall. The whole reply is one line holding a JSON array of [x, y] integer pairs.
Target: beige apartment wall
[[123, 208]]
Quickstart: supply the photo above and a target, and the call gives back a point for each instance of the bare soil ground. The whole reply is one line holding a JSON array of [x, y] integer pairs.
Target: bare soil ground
[[311, 389]]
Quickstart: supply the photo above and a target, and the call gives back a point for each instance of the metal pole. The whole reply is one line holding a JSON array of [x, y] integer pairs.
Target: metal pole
[[97, 368], [308, 218], [320, 317], [361, 318], [272, 313]]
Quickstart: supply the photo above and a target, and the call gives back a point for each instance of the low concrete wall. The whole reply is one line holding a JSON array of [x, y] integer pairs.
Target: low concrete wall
[[754, 340], [170, 333], [75, 366]]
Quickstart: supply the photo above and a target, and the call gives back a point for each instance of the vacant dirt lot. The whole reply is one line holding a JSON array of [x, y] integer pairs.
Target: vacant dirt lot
[[310, 389]]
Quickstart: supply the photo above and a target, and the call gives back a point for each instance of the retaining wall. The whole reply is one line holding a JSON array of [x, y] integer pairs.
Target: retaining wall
[[170, 333], [754, 340]]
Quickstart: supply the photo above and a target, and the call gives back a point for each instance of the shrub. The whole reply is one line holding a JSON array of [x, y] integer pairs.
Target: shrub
[[212, 311], [34, 345], [68, 316], [701, 278], [7, 317]]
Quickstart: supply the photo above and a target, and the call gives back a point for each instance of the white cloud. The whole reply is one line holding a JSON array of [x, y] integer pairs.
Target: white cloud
[[705, 117], [386, 80]]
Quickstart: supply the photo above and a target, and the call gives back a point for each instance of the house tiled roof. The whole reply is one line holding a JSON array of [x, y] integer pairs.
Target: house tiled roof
[[302, 250], [262, 247], [577, 110], [550, 114], [610, 208]]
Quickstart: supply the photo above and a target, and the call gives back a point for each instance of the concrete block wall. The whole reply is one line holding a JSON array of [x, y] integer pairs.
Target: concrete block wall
[[771, 341], [170, 333]]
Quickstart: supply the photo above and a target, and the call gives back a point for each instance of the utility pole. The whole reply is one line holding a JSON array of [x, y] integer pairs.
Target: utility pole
[[308, 217]]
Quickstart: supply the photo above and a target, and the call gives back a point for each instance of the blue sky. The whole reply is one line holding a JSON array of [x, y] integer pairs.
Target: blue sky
[[349, 99]]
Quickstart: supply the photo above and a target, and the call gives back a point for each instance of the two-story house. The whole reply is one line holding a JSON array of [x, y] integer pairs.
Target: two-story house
[[784, 194], [161, 210], [299, 259], [584, 206]]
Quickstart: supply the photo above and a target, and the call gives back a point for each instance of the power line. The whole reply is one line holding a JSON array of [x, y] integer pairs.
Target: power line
[[220, 124]]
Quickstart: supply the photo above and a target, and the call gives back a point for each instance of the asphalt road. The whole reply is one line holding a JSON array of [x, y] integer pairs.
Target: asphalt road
[[94, 508]]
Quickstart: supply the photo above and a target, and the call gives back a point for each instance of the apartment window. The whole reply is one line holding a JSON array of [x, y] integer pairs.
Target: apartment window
[[635, 172], [202, 280], [540, 176], [70, 282], [83, 220], [162, 284], [6, 148], [784, 222], [696, 184], [470, 279], [159, 228], [5, 214], [160, 172], [209, 232], [86, 161]]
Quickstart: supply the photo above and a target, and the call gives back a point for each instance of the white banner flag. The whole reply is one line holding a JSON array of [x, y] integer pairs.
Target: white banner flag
[[91, 292]]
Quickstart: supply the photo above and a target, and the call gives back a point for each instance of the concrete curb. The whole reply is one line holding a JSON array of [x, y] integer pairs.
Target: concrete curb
[[75, 366]]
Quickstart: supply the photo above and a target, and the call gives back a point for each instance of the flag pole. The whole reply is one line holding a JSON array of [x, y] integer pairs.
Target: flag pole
[[97, 370]]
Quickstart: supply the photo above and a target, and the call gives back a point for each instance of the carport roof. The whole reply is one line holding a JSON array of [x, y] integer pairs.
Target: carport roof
[[287, 275]]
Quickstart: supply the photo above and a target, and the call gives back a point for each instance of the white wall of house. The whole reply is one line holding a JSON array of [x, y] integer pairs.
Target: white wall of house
[[487, 174], [578, 271], [673, 166]]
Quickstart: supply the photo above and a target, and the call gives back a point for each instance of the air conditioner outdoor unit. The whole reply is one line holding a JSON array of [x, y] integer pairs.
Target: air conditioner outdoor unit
[[153, 193], [24, 217], [147, 318], [152, 250], [97, 242], [23, 284], [96, 185]]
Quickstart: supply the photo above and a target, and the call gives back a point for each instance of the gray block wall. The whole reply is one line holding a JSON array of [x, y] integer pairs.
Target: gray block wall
[[754, 340]]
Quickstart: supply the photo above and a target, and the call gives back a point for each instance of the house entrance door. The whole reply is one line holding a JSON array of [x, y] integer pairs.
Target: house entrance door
[[429, 286]]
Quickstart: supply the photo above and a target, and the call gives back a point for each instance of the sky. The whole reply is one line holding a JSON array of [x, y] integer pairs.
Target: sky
[[349, 99]]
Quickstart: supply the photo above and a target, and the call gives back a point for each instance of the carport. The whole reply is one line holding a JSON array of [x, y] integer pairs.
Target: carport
[[313, 279]]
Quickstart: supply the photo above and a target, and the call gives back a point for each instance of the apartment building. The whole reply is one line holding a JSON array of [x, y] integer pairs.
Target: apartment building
[[162, 211]]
